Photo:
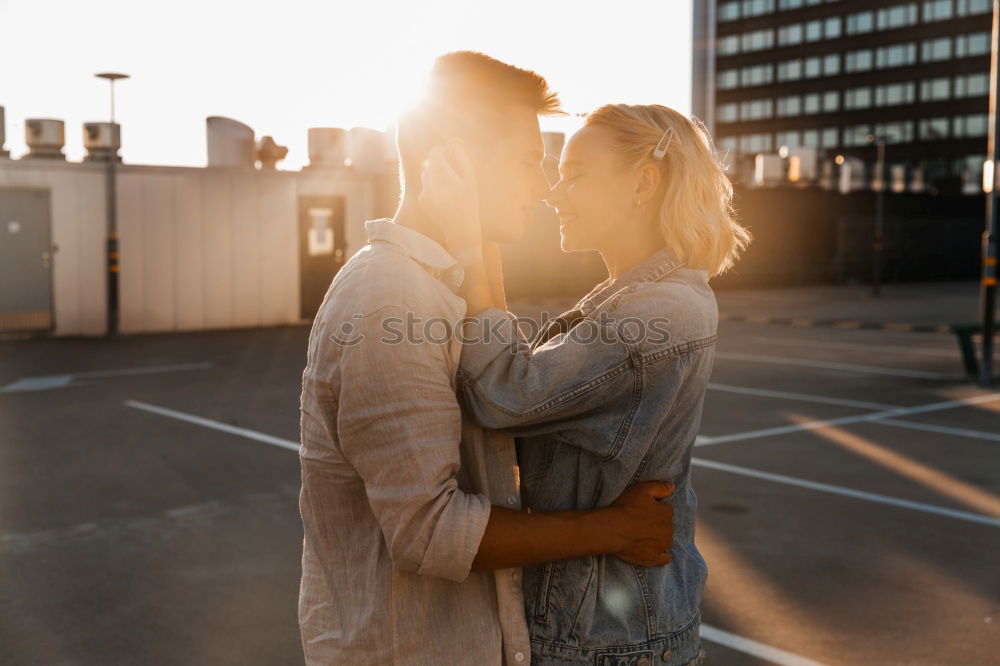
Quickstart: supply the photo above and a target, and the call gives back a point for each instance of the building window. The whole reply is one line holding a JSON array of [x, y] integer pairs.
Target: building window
[[791, 139], [935, 90], [789, 106], [810, 138], [974, 44], [755, 143], [900, 131], [937, 10], [756, 75], [858, 61], [932, 50], [831, 28], [810, 103], [814, 31], [970, 7], [860, 23], [729, 142], [813, 67], [790, 70], [727, 113], [831, 101], [892, 94], [896, 55], [831, 64], [756, 109], [858, 98], [789, 35], [969, 126], [856, 135], [758, 40], [898, 16], [830, 137], [728, 45], [785, 5], [727, 79], [932, 129], [757, 7], [729, 11], [972, 85]]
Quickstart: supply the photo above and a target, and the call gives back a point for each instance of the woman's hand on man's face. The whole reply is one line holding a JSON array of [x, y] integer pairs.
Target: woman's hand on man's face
[[449, 196]]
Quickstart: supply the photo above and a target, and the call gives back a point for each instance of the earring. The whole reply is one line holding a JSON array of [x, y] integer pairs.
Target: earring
[[638, 202]]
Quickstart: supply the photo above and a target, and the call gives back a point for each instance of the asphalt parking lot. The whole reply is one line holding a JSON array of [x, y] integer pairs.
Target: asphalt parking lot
[[848, 484]]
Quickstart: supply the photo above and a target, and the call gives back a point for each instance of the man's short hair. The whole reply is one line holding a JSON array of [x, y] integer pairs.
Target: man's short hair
[[468, 96]]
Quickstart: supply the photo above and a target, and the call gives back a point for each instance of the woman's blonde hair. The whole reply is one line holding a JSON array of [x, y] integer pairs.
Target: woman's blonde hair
[[697, 219]]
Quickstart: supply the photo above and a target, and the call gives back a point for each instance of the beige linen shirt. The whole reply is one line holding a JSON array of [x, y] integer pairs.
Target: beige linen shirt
[[397, 483]]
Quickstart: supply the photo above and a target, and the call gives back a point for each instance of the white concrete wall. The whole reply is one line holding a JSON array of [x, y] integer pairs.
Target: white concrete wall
[[78, 207], [207, 248], [199, 248]]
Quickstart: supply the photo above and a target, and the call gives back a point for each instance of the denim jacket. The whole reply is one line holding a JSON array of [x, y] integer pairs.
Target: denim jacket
[[608, 395]]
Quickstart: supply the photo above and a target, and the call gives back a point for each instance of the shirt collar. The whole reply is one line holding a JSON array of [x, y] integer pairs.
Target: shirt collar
[[421, 248], [651, 269]]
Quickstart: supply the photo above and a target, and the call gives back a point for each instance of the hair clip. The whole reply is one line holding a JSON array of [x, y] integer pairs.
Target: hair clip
[[664, 143]]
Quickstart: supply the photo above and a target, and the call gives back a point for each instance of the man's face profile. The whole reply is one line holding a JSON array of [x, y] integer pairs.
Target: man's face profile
[[510, 177]]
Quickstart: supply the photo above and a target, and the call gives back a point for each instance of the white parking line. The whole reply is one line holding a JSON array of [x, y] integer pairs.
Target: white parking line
[[48, 382], [215, 425], [701, 462], [848, 492], [747, 646], [801, 397], [844, 420], [828, 365], [709, 633]]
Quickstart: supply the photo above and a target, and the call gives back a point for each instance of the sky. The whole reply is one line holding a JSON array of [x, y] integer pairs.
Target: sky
[[282, 67]]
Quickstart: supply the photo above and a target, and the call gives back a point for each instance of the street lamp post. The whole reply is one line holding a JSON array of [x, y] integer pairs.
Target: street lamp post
[[988, 283], [878, 242], [112, 205], [879, 214]]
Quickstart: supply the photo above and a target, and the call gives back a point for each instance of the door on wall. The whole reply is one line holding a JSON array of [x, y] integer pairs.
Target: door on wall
[[321, 248], [25, 260]]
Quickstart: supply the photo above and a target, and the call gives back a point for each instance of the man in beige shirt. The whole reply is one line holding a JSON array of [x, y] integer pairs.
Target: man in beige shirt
[[414, 533]]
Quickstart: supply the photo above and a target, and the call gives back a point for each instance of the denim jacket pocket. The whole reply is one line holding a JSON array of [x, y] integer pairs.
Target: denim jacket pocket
[[542, 596], [634, 658], [567, 586]]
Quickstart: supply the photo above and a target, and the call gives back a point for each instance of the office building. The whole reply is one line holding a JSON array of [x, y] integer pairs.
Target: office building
[[827, 74]]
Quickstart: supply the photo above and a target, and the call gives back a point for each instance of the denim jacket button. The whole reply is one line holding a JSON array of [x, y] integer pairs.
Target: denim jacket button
[[511, 500], [666, 655], [518, 656]]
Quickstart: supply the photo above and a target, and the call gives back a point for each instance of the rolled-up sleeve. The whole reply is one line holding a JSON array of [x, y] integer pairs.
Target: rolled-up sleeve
[[399, 425], [507, 385]]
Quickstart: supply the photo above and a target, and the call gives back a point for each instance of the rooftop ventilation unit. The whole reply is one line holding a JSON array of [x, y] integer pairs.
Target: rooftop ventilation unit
[[270, 153], [3, 134], [102, 140], [230, 143], [45, 138], [327, 147], [366, 150]]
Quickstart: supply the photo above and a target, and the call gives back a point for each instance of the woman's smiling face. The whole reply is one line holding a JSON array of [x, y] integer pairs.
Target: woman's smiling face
[[595, 194]]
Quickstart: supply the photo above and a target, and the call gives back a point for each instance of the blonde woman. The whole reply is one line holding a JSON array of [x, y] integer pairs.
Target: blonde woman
[[609, 393]]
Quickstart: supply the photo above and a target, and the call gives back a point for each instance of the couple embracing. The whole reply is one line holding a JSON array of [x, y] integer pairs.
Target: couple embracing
[[481, 498]]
